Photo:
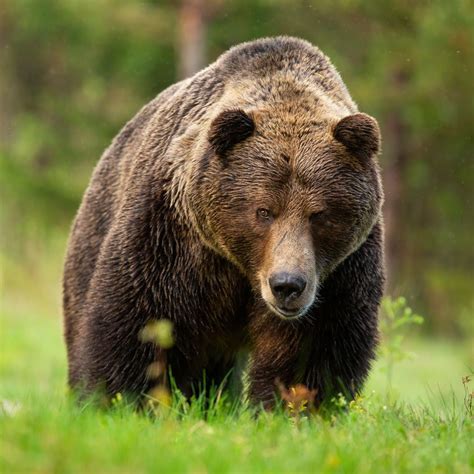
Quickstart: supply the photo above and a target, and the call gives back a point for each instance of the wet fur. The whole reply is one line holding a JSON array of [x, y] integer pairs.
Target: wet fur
[[146, 244]]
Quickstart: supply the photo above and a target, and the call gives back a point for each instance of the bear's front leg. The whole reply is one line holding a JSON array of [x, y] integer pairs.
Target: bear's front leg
[[278, 356]]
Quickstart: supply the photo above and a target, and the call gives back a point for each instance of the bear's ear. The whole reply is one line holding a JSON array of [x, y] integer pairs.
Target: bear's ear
[[360, 134], [229, 128]]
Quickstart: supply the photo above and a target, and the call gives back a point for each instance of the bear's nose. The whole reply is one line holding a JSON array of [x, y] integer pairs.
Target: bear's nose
[[286, 287]]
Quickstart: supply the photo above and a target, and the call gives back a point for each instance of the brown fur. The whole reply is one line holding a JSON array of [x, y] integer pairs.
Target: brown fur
[[258, 164]]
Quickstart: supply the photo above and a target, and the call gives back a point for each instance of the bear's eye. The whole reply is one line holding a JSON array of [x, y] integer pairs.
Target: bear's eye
[[264, 214], [316, 217]]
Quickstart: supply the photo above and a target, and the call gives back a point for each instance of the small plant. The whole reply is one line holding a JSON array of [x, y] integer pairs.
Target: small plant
[[117, 400], [160, 333], [357, 405], [339, 401], [298, 400], [397, 316], [468, 396]]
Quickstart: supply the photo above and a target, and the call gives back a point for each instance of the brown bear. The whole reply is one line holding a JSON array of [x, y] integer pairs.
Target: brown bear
[[244, 205]]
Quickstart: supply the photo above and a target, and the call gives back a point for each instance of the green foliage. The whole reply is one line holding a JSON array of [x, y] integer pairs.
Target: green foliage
[[45, 431], [64, 438]]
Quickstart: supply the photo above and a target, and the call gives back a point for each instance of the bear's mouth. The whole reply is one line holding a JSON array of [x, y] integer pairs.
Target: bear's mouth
[[286, 313]]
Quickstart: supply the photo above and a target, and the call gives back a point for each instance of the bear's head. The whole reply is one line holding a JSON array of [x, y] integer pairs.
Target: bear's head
[[286, 196]]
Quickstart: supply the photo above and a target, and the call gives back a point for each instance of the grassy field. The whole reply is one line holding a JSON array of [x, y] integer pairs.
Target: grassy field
[[422, 427]]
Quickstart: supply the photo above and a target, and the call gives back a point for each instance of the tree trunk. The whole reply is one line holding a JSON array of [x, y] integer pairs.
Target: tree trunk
[[192, 36]]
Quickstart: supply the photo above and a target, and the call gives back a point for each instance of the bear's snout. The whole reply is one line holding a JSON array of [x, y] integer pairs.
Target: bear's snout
[[286, 287], [289, 294], [288, 277]]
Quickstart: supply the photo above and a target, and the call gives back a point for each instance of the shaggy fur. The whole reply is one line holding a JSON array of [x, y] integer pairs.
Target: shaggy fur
[[258, 164]]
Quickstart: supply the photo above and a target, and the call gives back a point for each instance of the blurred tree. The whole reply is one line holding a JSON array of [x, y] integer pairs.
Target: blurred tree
[[192, 36]]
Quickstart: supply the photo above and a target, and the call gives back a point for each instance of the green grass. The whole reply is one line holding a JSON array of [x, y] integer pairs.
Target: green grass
[[422, 428]]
